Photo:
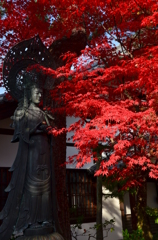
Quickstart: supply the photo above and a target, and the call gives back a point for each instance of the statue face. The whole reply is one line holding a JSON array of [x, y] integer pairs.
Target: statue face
[[36, 94]]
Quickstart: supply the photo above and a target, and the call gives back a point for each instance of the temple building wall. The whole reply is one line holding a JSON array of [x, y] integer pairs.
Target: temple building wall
[[8, 150]]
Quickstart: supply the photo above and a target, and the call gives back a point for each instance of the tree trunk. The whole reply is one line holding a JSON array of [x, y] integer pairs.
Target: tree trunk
[[99, 231], [142, 217], [132, 198], [60, 204], [59, 156]]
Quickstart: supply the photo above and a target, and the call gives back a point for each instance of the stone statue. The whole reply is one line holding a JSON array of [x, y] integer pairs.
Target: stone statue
[[28, 209]]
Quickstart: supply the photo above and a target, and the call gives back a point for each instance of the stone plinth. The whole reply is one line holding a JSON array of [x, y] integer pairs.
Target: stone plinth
[[52, 236]]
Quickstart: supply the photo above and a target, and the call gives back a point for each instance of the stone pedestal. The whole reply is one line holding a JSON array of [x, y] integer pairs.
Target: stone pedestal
[[52, 236]]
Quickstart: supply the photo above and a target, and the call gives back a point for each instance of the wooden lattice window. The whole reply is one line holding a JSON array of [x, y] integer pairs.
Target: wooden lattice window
[[81, 193]]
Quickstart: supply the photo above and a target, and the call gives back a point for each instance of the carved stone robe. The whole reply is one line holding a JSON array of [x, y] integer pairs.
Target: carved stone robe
[[29, 199]]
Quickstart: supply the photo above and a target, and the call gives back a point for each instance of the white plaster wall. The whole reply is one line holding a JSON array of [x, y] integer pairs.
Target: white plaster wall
[[152, 195], [8, 151], [5, 123], [111, 209], [127, 208], [80, 232], [69, 121], [70, 151]]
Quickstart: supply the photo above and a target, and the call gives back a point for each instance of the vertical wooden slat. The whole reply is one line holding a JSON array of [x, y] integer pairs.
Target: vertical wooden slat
[[82, 195], [88, 194], [80, 191]]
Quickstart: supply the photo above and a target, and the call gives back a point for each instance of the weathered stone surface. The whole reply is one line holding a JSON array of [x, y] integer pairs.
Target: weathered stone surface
[[53, 236]]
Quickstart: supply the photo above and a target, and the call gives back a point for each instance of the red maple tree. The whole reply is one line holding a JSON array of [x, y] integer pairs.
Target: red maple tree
[[112, 87]]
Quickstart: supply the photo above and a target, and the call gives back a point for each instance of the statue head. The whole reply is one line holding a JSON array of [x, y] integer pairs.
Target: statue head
[[33, 88], [35, 95]]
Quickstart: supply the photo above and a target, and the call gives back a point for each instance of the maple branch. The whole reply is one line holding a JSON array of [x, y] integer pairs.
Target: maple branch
[[144, 11], [119, 40]]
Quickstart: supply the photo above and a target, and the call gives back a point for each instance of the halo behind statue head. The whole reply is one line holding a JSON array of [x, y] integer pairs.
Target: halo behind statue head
[[33, 78], [18, 59]]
